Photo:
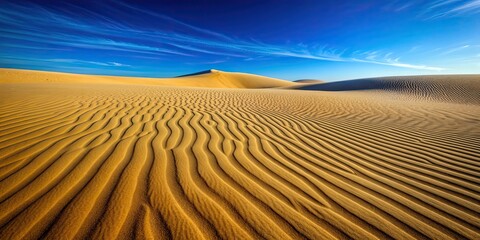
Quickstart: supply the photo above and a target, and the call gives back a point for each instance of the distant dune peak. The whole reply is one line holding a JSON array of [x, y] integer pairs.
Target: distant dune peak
[[309, 81], [200, 73]]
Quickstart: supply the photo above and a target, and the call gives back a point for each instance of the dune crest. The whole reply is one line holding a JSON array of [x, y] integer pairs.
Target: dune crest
[[209, 79], [454, 88], [309, 81], [85, 157]]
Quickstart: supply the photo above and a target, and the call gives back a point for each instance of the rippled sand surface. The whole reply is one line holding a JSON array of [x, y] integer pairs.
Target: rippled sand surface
[[107, 159]]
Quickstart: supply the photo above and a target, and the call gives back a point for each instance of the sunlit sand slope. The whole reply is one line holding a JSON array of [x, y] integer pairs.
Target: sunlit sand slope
[[211, 79], [99, 161]]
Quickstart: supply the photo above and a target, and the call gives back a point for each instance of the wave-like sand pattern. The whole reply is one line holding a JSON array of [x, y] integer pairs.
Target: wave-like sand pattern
[[92, 161], [450, 88]]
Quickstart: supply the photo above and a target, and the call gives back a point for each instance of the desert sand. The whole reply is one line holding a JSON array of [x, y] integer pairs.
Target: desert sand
[[238, 156]]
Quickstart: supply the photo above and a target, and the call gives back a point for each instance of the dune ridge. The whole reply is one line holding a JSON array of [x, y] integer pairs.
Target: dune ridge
[[209, 79], [456, 88], [309, 81], [93, 160]]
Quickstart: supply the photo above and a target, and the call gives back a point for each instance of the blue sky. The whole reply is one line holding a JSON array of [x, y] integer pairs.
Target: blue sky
[[291, 40]]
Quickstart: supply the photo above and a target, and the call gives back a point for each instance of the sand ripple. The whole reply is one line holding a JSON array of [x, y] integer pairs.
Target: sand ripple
[[116, 162]]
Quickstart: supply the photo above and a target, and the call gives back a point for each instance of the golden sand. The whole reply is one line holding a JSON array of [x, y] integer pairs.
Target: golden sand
[[99, 157]]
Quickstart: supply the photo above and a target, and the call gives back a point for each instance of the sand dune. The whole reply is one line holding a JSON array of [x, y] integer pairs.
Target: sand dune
[[309, 81], [211, 79], [86, 157], [455, 88]]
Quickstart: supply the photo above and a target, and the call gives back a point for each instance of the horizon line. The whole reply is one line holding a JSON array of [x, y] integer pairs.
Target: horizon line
[[210, 70]]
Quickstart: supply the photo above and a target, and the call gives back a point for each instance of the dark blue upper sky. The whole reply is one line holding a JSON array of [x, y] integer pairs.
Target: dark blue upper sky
[[329, 40]]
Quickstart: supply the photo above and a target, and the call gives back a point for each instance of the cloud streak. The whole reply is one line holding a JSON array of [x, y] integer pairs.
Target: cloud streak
[[456, 49], [10, 58], [84, 29], [106, 64], [451, 8]]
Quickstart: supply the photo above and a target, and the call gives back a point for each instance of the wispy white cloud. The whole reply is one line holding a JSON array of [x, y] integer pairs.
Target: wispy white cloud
[[88, 30], [10, 60], [208, 62], [439, 3], [450, 8], [107, 64], [116, 64], [397, 5], [471, 6], [455, 49], [397, 63], [203, 50]]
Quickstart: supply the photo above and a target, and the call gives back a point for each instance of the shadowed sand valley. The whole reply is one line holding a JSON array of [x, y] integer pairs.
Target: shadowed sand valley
[[238, 156]]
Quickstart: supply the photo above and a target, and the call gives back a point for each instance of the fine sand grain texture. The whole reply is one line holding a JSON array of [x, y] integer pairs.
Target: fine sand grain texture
[[92, 157]]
